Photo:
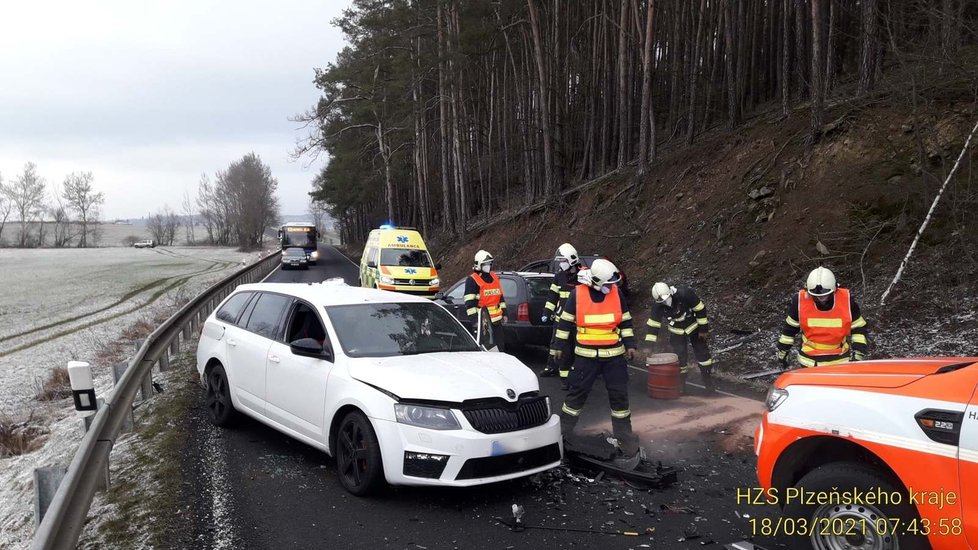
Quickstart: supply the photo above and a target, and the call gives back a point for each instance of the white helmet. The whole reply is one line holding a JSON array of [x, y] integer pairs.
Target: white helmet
[[567, 253], [481, 257], [662, 292], [603, 273], [821, 282]]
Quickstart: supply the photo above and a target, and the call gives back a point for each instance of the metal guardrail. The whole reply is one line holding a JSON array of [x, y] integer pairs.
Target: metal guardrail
[[65, 517]]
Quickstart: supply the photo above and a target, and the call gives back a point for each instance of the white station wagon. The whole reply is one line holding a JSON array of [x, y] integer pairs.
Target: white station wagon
[[389, 384]]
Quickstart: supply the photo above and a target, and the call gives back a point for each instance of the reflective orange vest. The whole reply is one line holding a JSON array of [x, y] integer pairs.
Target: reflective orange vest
[[597, 323], [824, 332], [490, 295]]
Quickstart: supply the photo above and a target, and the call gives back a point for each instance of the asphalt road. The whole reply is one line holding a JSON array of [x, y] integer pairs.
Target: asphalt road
[[251, 487]]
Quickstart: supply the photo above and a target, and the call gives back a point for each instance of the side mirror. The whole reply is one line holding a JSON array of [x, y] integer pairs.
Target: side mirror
[[309, 347], [371, 265], [438, 266], [440, 295]]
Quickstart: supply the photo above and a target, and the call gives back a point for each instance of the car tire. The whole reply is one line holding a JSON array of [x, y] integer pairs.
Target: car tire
[[359, 464], [866, 528], [217, 398]]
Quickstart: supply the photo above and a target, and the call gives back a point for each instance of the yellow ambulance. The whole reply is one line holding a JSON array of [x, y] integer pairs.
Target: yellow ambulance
[[396, 258]]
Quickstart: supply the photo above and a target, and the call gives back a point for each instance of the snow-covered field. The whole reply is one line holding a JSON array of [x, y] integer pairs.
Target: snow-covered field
[[71, 304]]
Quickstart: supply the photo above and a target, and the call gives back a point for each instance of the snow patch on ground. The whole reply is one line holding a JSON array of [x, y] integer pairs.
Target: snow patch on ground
[[42, 286]]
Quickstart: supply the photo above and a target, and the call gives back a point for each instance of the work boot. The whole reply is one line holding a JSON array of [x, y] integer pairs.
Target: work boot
[[548, 371], [707, 377]]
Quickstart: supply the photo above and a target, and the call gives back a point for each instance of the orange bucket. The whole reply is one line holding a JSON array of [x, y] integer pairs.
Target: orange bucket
[[664, 380]]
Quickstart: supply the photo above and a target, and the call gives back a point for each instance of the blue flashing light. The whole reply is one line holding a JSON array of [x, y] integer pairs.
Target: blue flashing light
[[387, 226]]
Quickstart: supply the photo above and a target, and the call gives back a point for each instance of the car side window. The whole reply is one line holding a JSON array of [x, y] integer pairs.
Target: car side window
[[266, 316], [374, 254], [232, 309], [305, 324], [511, 287], [457, 292]]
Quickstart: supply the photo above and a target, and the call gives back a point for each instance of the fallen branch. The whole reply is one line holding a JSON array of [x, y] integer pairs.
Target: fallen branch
[[930, 212]]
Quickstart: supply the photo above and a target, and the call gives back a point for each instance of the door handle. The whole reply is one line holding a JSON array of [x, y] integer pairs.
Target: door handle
[[232, 342], [274, 359]]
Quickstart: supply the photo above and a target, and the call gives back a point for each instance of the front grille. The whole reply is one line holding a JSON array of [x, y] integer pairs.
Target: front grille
[[417, 282], [492, 466], [508, 417]]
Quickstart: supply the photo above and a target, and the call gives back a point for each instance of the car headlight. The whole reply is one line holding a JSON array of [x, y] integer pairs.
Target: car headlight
[[314, 255], [775, 396], [387, 279], [426, 417], [435, 282]]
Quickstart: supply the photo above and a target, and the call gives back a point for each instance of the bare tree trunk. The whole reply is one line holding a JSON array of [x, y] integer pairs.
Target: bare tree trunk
[[643, 139], [786, 58], [830, 48], [447, 218], [622, 83], [867, 59], [801, 59], [817, 87], [694, 69], [548, 156], [728, 35]]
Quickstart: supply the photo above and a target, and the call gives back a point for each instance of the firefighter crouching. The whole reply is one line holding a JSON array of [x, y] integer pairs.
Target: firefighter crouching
[[685, 316], [484, 290], [565, 281], [596, 327], [826, 316]]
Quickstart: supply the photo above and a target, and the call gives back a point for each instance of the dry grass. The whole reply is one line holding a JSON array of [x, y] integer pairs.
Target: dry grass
[[20, 437], [140, 329], [111, 353], [57, 386]]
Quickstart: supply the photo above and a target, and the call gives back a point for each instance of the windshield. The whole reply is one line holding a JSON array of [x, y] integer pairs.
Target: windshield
[[386, 330], [404, 257], [295, 252], [299, 236]]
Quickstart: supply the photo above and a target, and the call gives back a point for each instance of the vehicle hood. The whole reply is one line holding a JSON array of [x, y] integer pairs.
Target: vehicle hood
[[888, 373], [408, 272], [447, 376]]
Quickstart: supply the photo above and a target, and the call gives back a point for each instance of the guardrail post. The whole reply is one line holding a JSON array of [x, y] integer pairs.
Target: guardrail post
[[185, 334], [46, 482], [118, 369], [195, 322], [164, 360], [138, 343], [89, 418], [175, 344]]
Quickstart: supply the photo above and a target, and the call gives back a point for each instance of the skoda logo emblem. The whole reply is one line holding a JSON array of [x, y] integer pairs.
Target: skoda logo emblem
[[412, 282], [511, 394]]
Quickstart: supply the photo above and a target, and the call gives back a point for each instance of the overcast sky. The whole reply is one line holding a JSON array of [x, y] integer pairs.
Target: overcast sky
[[147, 95]]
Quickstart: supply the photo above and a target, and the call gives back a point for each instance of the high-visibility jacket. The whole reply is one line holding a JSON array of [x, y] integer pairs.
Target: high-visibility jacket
[[824, 332], [827, 335], [686, 315], [597, 322], [564, 283], [600, 324], [481, 293]]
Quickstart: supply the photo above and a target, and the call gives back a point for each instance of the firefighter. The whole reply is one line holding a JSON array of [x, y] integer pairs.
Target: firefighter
[[565, 281], [832, 329], [685, 316], [484, 290], [596, 327]]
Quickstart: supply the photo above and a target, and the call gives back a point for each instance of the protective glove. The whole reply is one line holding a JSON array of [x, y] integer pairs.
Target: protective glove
[[544, 318], [630, 354], [703, 334], [558, 354]]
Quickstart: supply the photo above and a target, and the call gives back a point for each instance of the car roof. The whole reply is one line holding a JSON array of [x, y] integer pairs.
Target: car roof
[[333, 293], [534, 274]]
